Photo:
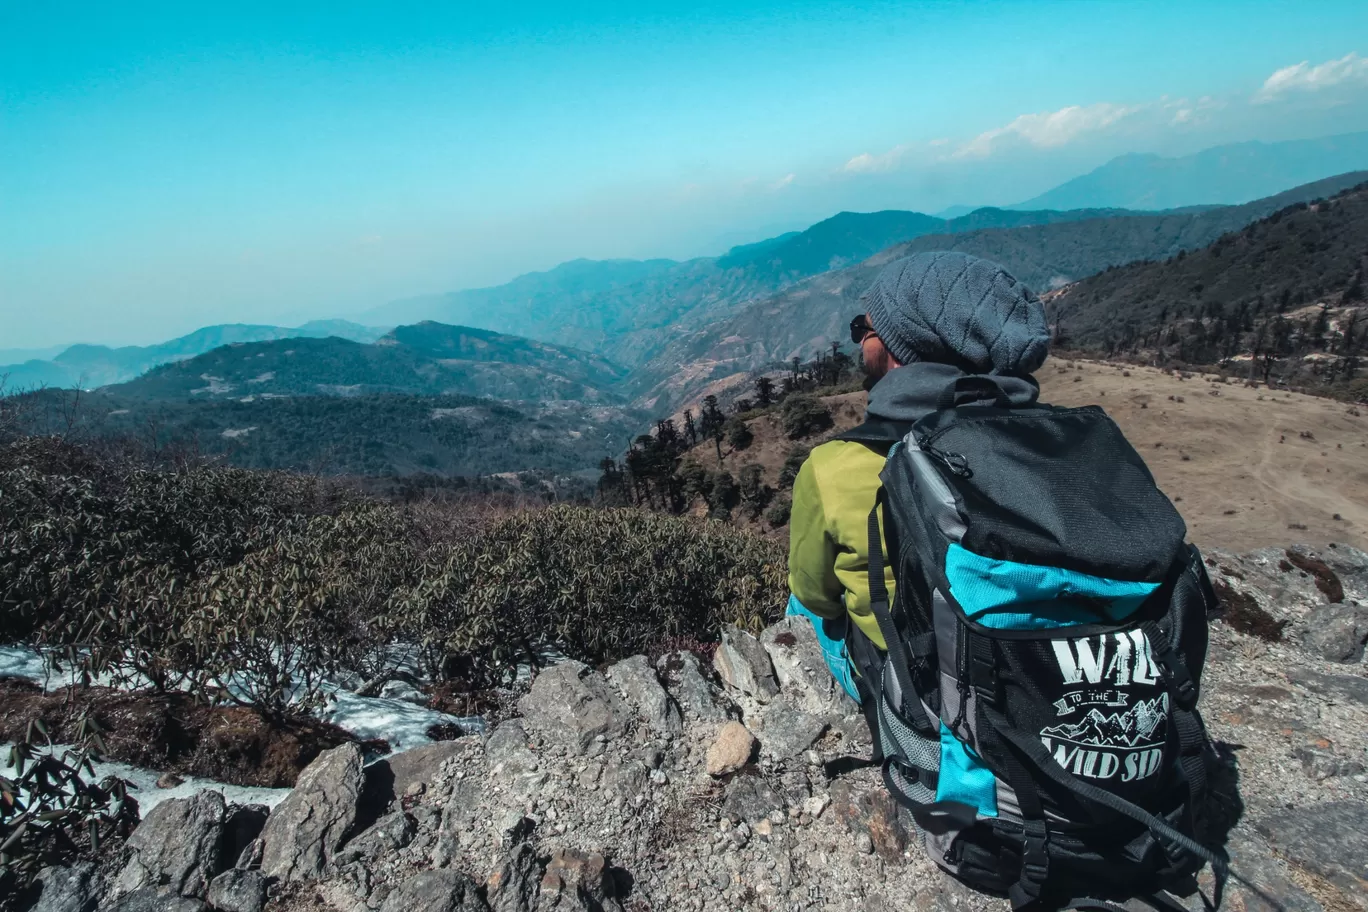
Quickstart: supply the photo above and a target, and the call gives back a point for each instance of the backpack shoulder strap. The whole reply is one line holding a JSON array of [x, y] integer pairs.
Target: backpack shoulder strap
[[877, 430]]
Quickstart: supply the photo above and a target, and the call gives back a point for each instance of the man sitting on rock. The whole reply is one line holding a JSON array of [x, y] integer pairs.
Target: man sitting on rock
[[930, 319]]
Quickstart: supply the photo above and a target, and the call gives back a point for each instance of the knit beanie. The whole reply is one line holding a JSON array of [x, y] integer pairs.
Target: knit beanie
[[957, 309]]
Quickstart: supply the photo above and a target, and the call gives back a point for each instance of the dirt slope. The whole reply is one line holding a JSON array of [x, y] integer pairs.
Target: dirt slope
[[1234, 462]]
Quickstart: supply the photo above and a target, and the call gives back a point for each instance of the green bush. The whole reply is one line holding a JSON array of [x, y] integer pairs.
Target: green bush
[[803, 415], [739, 433], [778, 512], [253, 588], [792, 464]]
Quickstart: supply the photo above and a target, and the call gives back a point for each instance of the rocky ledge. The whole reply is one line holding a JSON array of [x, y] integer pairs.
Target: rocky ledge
[[688, 785]]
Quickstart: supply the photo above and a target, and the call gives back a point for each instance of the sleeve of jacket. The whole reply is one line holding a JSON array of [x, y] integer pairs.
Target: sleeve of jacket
[[812, 553]]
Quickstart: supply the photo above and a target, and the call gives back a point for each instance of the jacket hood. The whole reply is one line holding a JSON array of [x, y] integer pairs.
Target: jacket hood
[[910, 392]]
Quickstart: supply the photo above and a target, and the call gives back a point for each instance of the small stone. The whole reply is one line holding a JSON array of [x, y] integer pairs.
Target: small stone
[[815, 805], [863, 844], [764, 828], [731, 750], [238, 891]]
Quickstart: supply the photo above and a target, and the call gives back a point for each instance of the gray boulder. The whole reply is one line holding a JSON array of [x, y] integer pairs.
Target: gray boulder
[[388, 834], [787, 730], [435, 891], [1329, 840], [157, 899], [1337, 633], [306, 830], [572, 704], [802, 671], [742, 663], [417, 769], [638, 682], [67, 889], [692, 688], [236, 890], [179, 846], [514, 887]]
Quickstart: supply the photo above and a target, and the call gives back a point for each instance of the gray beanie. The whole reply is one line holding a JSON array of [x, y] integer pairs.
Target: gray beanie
[[957, 309]]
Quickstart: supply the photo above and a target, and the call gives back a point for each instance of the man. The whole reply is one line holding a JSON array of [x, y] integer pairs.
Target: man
[[930, 319]]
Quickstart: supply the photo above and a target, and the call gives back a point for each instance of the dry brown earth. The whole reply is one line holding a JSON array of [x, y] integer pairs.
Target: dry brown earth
[[1232, 457]]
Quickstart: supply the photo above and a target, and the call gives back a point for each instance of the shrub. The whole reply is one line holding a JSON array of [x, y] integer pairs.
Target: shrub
[[739, 433], [778, 512], [792, 464], [755, 494], [803, 415]]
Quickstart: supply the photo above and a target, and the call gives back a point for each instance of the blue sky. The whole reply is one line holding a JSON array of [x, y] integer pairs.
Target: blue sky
[[164, 167]]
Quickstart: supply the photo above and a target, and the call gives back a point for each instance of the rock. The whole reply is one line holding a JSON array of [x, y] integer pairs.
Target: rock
[[1329, 840], [801, 670], [157, 899], [690, 685], [67, 889], [169, 781], [742, 663], [507, 750], [1321, 764], [628, 778], [306, 829], [514, 887], [576, 880], [388, 834], [418, 768], [1345, 687], [731, 750], [403, 690], [572, 704], [638, 682], [179, 845], [1337, 633], [236, 890], [435, 891], [874, 813], [788, 731], [1261, 887], [750, 799]]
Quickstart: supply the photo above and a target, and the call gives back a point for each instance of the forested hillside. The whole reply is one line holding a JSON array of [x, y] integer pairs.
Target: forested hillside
[[367, 434], [429, 359], [1286, 288]]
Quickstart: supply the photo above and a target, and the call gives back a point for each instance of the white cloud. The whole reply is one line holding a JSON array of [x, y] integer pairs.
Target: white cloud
[[783, 182], [1303, 77], [1049, 129], [865, 163]]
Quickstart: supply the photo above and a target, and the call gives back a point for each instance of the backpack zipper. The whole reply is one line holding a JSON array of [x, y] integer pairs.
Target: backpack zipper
[[956, 463]]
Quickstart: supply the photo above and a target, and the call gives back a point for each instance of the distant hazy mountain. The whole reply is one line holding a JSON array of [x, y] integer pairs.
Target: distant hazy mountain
[[805, 317], [91, 366], [1228, 174], [427, 359]]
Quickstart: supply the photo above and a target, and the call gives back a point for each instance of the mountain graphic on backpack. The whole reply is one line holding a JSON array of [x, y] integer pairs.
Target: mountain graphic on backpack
[[1040, 574], [1134, 728]]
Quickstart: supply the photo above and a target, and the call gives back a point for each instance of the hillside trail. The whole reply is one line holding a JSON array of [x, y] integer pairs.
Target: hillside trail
[[1295, 486]]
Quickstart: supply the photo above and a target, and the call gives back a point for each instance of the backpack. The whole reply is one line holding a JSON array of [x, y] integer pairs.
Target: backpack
[[1035, 708]]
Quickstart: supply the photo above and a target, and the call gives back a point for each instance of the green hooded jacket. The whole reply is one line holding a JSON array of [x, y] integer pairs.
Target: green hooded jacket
[[836, 487]]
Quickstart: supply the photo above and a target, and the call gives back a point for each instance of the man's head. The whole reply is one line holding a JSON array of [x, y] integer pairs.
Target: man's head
[[955, 309], [877, 360]]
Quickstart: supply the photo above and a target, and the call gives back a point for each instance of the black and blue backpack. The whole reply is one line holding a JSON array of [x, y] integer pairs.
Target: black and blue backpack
[[1036, 706]]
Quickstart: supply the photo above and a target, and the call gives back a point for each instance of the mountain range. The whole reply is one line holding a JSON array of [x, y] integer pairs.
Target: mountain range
[[805, 317], [89, 366], [1229, 174]]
